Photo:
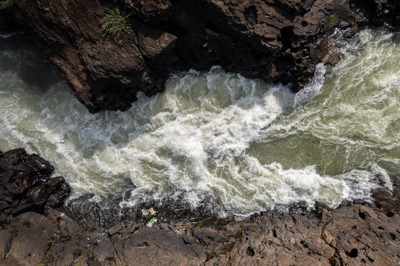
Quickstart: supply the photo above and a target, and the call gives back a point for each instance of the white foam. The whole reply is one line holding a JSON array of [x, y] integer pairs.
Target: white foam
[[10, 34], [249, 144]]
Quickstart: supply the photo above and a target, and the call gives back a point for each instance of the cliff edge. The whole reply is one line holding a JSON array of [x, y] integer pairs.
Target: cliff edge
[[277, 41]]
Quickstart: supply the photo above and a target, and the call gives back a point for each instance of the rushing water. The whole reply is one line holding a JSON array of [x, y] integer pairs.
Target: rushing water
[[246, 144]]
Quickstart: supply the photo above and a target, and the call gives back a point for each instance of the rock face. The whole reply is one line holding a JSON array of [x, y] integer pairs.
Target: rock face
[[353, 234], [104, 72], [25, 184], [6, 19], [272, 40]]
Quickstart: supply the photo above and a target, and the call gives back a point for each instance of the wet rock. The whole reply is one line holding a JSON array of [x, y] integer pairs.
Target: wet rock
[[270, 40], [353, 234], [387, 200], [87, 211], [7, 20], [94, 212], [377, 13], [25, 183], [154, 247]]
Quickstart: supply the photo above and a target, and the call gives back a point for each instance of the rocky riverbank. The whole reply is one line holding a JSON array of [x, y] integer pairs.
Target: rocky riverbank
[[44, 234], [277, 41], [274, 40]]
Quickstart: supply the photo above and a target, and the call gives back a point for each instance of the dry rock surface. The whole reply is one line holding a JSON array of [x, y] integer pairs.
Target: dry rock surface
[[353, 234], [356, 234]]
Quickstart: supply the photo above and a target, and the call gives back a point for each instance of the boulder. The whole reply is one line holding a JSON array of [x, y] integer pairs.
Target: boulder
[[271, 40], [26, 183]]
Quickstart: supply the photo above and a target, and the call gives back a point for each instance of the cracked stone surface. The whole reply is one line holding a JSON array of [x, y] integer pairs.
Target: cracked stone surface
[[354, 234]]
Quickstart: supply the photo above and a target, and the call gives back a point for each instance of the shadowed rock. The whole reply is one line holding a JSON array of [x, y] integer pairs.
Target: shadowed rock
[[25, 183], [352, 234], [271, 40]]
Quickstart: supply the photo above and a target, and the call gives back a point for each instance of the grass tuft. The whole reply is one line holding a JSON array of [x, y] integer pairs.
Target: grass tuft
[[115, 22], [6, 4]]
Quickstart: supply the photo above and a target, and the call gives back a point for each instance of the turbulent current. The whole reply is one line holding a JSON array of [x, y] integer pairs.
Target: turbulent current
[[245, 144]]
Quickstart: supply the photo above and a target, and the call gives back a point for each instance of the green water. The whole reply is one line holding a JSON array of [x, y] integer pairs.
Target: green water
[[244, 143]]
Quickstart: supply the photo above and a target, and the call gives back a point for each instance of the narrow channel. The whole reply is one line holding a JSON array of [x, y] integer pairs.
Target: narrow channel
[[246, 144]]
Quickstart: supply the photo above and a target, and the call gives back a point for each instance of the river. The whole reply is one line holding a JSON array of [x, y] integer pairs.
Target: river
[[245, 144]]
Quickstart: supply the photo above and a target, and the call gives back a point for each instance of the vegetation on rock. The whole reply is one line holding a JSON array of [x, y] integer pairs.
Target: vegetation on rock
[[115, 22], [331, 21], [6, 4]]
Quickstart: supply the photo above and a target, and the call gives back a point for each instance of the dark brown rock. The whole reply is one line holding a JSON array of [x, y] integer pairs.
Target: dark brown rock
[[155, 247], [388, 200], [259, 39], [355, 234], [105, 72], [25, 183]]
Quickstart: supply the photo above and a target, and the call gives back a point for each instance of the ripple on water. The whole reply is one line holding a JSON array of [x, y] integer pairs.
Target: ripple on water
[[249, 144]]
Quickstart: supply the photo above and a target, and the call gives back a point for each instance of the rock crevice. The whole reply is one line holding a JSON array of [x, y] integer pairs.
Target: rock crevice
[[277, 41]]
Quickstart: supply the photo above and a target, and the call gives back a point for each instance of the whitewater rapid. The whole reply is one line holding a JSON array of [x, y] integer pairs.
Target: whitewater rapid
[[246, 144]]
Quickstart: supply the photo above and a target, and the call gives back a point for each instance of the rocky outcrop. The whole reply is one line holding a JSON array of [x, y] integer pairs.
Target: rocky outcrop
[[105, 72], [377, 13], [356, 234], [272, 40], [25, 184], [6, 20], [353, 234]]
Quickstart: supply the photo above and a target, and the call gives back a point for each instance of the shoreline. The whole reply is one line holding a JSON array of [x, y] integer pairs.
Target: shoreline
[[38, 229], [352, 233], [276, 42]]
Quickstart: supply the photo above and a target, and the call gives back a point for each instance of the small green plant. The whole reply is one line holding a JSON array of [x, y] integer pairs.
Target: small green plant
[[332, 20], [6, 4], [116, 22], [206, 48], [78, 261]]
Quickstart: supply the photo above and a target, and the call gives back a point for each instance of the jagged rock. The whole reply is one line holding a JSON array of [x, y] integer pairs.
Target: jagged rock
[[25, 183], [388, 200], [354, 234], [377, 12], [105, 72], [272, 40], [88, 212], [259, 39]]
